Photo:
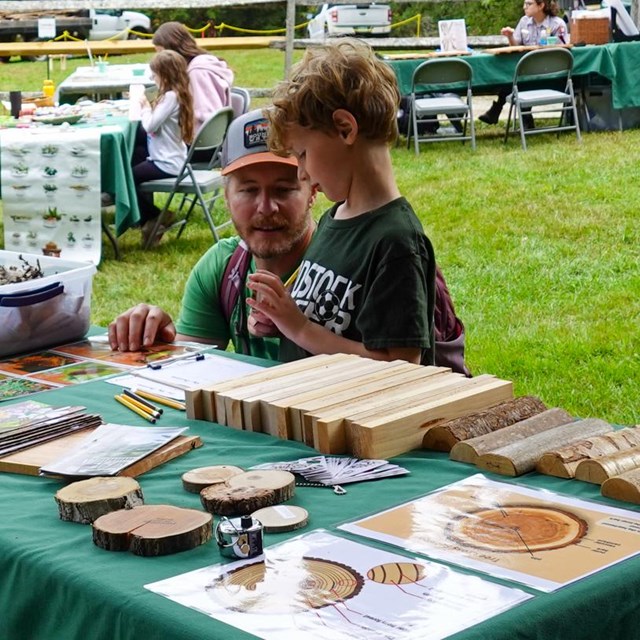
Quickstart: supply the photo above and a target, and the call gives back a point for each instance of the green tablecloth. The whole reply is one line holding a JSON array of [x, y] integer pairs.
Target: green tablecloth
[[57, 585], [617, 63]]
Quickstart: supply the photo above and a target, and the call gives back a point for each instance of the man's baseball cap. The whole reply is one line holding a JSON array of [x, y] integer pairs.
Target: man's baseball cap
[[246, 143]]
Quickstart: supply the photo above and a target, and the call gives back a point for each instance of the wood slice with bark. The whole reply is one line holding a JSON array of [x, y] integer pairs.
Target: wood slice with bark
[[444, 436], [563, 462], [196, 480], [86, 500], [282, 483], [469, 450], [520, 457], [153, 530], [625, 487], [224, 500], [598, 470]]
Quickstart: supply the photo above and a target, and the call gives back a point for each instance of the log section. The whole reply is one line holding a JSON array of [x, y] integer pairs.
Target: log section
[[469, 450], [152, 530], [600, 469], [86, 500], [624, 487], [521, 457], [563, 462], [446, 435], [224, 500], [196, 480]]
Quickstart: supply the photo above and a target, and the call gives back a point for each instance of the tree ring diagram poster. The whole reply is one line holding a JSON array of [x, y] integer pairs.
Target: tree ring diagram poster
[[319, 586], [531, 536]]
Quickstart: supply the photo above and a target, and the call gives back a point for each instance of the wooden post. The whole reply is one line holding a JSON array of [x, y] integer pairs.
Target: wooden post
[[290, 25]]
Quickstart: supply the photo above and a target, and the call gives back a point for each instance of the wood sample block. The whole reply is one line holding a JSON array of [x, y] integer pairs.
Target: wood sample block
[[214, 411], [563, 462], [394, 433], [86, 500], [624, 487], [470, 450], [228, 402], [520, 457], [193, 403], [152, 530], [446, 435], [597, 470], [326, 429]]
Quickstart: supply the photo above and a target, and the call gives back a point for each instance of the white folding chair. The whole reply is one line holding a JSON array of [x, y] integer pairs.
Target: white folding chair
[[441, 77], [199, 186], [551, 66]]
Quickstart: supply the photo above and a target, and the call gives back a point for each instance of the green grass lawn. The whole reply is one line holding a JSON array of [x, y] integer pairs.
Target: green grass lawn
[[540, 250]]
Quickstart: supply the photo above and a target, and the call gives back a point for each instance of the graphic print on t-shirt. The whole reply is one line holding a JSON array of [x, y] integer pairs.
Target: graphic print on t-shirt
[[325, 297]]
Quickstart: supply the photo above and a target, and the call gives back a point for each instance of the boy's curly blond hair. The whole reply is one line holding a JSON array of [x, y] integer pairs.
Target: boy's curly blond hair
[[338, 75]]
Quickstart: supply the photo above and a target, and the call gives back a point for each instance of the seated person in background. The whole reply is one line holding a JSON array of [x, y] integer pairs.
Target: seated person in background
[[539, 16], [271, 210], [367, 281], [210, 78], [166, 127]]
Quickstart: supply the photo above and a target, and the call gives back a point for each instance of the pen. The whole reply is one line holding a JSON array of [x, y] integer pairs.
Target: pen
[[292, 278], [154, 413], [174, 404], [184, 356], [143, 414], [142, 401]]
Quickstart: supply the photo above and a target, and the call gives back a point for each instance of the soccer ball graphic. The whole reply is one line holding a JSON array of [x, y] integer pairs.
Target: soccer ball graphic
[[327, 306]]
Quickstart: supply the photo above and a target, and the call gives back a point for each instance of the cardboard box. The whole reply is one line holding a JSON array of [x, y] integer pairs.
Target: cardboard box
[[47, 311]]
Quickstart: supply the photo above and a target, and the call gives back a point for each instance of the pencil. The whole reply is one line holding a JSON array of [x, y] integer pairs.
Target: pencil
[[292, 278], [143, 414], [143, 406], [168, 402], [141, 400]]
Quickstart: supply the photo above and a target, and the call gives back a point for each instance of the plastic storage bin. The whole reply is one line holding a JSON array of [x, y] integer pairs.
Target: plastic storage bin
[[48, 311]]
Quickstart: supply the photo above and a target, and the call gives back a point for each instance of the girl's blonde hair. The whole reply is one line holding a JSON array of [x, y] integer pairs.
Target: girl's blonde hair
[[170, 70]]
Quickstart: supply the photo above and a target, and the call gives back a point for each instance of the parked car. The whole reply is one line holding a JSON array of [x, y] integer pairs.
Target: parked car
[[351, 20]]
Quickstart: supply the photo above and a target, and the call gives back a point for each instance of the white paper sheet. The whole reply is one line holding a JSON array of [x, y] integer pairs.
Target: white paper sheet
[[320, 586]]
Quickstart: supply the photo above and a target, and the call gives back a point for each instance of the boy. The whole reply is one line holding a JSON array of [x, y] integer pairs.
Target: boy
[[366, 284]]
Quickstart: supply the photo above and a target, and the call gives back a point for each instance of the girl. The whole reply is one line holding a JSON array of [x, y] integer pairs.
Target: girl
[[166, 129]]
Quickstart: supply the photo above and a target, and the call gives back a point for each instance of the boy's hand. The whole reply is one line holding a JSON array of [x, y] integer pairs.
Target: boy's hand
[[140, 327], [274, 303]]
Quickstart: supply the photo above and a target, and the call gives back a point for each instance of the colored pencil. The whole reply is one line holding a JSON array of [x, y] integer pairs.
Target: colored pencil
[[141, 400], [168, 402], [292, 278], [143, 407], [123, 400]]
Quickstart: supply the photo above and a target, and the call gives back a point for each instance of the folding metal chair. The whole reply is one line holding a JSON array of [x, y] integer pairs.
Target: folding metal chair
[[553, 67], [199, 186], [240, 101], [441, 76]]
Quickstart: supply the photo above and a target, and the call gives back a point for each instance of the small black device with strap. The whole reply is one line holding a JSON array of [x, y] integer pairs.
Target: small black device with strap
[[449, 330]]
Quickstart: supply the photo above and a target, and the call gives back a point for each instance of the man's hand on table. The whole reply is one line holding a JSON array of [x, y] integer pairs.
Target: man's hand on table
[[140, 327]]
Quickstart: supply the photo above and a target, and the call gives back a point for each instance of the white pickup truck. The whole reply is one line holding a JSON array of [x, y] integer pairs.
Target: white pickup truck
[[351, 20]]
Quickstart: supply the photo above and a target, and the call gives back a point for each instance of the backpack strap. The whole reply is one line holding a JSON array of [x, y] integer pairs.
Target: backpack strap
[[232, 284]]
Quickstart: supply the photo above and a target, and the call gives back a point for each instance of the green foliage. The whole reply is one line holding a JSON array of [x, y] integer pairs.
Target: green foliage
[[483, 17]]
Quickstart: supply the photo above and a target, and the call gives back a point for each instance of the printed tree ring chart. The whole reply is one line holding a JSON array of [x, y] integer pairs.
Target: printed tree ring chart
[[286, 587], [518, 529], [397, 573]]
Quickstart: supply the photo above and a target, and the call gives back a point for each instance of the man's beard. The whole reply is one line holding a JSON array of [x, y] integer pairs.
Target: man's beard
[[287, 240]]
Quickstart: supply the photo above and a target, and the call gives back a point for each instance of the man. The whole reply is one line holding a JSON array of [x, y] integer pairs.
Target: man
[[271, 210]]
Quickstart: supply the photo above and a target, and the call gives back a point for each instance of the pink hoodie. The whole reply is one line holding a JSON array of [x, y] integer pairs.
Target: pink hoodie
[[210, 79]]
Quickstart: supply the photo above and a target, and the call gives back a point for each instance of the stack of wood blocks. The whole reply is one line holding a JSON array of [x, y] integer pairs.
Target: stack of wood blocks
[[347, 404], [522, 435]]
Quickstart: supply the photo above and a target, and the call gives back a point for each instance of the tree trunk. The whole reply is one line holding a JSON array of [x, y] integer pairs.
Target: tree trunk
[[86, 500], [520, 457], [624, 487], [563, 462], [469, 450]]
